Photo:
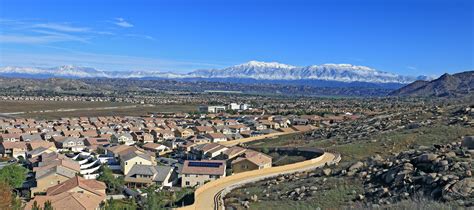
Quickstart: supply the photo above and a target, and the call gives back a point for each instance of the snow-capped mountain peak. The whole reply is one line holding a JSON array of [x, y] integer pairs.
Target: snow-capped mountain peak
[[260, 64], [344, 67]]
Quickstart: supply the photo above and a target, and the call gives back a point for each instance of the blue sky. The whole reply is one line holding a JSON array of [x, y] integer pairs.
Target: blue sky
[[410, 37]]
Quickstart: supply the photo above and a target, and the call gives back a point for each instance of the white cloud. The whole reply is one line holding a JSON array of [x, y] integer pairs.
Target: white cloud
[[41, 37], [61, 27], [23, 39], [141, 36], [101, 61], [122, 23]]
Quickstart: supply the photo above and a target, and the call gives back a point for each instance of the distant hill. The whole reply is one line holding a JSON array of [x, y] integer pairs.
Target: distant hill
[[52, 84], [459, 84], [122, 87]]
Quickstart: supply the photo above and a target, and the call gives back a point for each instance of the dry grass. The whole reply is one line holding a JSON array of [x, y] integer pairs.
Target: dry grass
[[122, 109], [24, 106]]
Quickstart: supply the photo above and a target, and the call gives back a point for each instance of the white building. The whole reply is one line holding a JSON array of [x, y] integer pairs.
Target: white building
[[212, 109]]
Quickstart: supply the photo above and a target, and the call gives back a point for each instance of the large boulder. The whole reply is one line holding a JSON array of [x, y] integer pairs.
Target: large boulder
[[428, 157], [327, 171], [356, 166], [461, 189], [468, 142]]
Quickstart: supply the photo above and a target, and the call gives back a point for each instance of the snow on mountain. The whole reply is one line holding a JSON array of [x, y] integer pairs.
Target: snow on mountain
[[259, 64], [250, 70], [328, 72]]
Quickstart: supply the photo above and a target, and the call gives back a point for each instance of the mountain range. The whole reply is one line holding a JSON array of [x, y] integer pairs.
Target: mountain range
[[253, 71]]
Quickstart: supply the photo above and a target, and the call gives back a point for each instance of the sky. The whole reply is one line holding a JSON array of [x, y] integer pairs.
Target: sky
[[408, 37]]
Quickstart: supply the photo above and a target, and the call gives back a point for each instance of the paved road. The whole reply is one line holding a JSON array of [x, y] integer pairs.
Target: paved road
[[209, 196]]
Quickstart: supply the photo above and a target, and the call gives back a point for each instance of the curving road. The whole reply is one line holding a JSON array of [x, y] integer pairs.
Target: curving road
[[209, 196]]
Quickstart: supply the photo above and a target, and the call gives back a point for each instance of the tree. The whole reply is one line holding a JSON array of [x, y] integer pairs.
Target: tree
[[14, 175], [17, 203], [48, 205], [153, 201], [114, 185], [35, 206], [112, 204], [5, 195]]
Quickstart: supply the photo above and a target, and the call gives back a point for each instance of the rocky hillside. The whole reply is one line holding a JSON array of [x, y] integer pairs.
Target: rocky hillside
[[459, 84], [437, 177], [443, 173]]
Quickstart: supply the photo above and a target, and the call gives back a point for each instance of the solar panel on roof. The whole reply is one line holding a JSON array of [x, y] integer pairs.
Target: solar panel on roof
[[205, 164]]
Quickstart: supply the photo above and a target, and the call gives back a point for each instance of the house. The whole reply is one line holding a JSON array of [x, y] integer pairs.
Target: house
[[72, 133], [13, 149], [74, 193], [270, 124], [70, 143], [127, 161], [142, 136], [177, 143], [146, 137], [216, 137], [199, 139], [163, 134], [203, 129], [184, 133], [232, 152], [119, 150], [196, 173], [146, 175], [231, 122], [30, 137], [260, 126], [89, 133], [234, 136], [207, 151], [32, 145], [78, 184], [94, 143], [251, 160], [76, 201], [217, 122], [32, 154], [14, 131], [12, 137], [30, 130], [51, 135], [157, 148], [124, 138], [53, 169]]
